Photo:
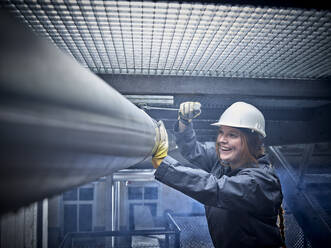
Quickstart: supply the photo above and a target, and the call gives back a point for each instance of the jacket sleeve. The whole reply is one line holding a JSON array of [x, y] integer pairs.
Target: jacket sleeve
[[199, 154], [244, 192]]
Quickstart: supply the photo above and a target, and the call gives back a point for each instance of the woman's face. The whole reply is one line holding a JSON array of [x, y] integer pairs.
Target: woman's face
[[230, 145]]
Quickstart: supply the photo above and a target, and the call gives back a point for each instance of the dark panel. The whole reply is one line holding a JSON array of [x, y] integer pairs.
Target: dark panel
[[85, 217], [70, 195], [150, 193], [70, 218], [296, 132], [174, 85], [86, 194], [135, 193]]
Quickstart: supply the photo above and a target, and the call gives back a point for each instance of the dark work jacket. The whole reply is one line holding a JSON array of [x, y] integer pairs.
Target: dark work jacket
[[241, 205]]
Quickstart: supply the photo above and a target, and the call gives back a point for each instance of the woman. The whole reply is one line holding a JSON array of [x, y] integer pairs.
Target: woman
[[240, 191]]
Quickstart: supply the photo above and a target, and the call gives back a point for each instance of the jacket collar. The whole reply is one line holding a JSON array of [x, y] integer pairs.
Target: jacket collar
[[262, 162]]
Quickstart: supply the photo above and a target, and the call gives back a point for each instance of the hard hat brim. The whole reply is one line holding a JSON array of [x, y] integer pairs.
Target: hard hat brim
[[218, 124]]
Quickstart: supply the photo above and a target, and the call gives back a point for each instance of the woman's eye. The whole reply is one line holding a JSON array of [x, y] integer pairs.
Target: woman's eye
[[233, 135]]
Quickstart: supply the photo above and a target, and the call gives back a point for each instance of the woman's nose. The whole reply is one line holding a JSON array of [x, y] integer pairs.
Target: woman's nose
[[221, 139]]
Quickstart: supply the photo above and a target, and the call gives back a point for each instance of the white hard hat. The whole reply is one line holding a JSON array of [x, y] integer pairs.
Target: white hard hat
[[243, 115]]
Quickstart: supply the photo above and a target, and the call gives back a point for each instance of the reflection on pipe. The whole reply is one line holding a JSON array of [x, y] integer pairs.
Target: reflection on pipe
[[61, 126]]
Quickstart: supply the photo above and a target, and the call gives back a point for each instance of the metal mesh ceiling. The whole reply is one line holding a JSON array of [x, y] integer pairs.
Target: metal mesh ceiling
[[159, 38]]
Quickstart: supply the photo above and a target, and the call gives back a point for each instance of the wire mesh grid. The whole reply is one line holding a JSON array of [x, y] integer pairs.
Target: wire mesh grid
[[160, 38], [294, 234], [194, 232]]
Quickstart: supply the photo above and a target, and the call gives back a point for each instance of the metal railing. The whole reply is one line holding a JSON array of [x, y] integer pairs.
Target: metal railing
[[171, 233]]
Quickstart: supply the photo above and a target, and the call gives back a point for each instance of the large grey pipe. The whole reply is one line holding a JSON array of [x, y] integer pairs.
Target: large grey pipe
[[60, 125]]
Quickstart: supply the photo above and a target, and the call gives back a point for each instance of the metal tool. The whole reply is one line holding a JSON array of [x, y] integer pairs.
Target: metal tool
[[146, 107]]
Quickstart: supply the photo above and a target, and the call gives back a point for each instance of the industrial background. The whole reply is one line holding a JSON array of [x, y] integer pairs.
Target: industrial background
[[81, 81]]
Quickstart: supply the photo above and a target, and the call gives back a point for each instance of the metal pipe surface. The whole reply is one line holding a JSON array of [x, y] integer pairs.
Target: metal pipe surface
[[60, 125]]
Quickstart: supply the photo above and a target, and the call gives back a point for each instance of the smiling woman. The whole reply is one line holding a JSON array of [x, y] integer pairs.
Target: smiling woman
[[238, 146], [230, 146], [236, 183]]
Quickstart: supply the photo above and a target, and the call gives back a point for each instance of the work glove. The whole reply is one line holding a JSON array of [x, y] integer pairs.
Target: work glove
[[160, 150], [188, 111]]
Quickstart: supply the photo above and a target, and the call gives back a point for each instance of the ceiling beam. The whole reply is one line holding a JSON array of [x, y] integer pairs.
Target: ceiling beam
[[175, 85], [289, 114], [319, 4]]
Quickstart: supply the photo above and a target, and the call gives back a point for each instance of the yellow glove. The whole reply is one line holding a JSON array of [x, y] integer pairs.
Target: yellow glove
[[188, 111], [160, 150]]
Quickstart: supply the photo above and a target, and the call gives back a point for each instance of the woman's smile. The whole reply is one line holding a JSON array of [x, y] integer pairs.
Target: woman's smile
[[229, 145], [225, 151]]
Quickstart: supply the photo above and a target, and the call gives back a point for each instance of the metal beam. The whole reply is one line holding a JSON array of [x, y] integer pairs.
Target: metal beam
[[267, 103], [298, 132], [60, 125], [135, 175], [276, 114], [308, 214], [307, 153], [175, 85]]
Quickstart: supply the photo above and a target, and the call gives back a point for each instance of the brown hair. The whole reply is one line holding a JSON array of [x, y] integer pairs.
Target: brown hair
[[253, 147], [282, 225]]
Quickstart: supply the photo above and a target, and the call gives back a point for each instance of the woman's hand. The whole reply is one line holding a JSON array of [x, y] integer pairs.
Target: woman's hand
[[188, 111], [160, 150]]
